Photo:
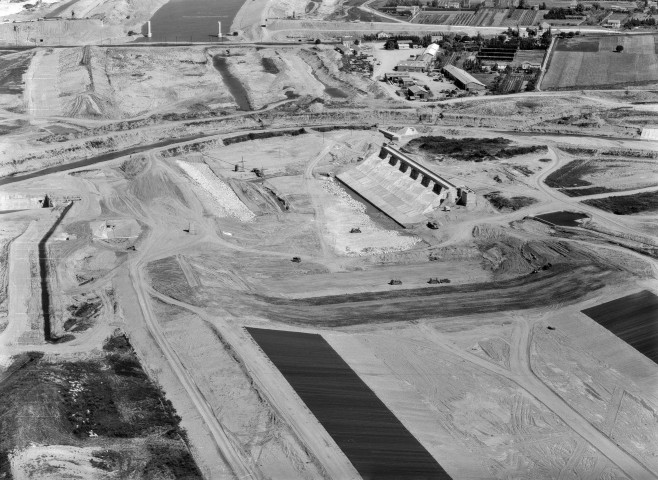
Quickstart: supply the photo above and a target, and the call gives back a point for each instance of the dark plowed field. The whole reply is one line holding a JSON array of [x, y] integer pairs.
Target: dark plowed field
[[372, 438], [633, 318]]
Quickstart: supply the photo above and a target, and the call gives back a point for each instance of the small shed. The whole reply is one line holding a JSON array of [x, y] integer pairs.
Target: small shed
[[417, 92]]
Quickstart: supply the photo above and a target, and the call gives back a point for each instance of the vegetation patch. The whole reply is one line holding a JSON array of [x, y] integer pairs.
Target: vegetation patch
[[627, 204], [269, 65], [582, 192], [504, 203], [263, 135], [570, 175], [12, 69], [168, 278], [82, 314], [108, 399], [472, 149]]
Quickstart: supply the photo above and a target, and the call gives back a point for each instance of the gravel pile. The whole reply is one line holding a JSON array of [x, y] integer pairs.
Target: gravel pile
[[202, 176], [347, 213]]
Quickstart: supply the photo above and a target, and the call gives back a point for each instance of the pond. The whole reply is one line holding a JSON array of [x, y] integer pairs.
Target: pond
[[563, 219]]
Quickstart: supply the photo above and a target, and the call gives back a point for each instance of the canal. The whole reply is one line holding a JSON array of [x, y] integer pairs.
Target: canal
[[192, 20]]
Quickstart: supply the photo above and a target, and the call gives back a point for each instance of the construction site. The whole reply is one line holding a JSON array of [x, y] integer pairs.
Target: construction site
[[245, 261]]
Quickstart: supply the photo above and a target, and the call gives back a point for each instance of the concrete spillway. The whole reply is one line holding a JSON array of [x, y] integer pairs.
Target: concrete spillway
[[395, 192]]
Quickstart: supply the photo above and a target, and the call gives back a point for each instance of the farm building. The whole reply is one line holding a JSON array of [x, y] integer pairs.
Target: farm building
[[415, 92], [463, 80], [404, 44], [407, 10], [342, 49], [528, 59], [613, 23], [496, 56], [399, 78], [412, 66], [382, 35], [432, 49]]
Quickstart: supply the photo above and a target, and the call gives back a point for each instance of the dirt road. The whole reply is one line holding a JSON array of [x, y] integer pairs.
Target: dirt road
[[280, 395], [20, 283], [521, 373]]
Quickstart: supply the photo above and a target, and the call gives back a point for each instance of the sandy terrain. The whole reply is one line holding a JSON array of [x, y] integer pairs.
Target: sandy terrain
[[240, 223]]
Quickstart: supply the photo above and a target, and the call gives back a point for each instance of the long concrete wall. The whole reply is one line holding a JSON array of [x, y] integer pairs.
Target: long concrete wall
[[426, 177], [399, 186]]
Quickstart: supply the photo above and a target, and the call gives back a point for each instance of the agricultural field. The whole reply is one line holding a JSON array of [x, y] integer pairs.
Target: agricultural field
[[592, 62], [631, 318], [590, 176], [485, 17], [640, 203]]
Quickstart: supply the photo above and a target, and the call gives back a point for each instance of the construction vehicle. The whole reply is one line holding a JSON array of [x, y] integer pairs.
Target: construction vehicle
[[433, 225], [395, 282], [437, 280], [446, 209], [355, 230], [296, 259]]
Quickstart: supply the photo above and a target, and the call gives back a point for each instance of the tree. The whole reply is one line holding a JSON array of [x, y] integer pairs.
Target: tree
[[391, 44], [619, 48], [318, 41], [580, 8]]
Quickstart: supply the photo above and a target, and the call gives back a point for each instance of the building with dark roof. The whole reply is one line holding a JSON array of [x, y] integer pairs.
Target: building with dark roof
[[462, 79]]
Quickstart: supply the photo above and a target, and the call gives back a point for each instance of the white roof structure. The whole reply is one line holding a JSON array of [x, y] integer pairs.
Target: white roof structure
[[432, 49], [649, 134]]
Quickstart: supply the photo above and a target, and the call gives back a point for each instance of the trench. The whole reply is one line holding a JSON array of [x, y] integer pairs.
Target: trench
[[234, 85], [99, 159], [43, 273], [333, 92]]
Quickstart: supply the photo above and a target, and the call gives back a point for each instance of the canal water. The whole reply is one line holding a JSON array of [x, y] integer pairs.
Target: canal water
[[193, 20]]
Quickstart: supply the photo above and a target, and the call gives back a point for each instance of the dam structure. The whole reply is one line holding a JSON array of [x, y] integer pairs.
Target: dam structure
[[399, 186]]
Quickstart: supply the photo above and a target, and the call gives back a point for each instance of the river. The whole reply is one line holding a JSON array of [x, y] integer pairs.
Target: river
[[193, 20]]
